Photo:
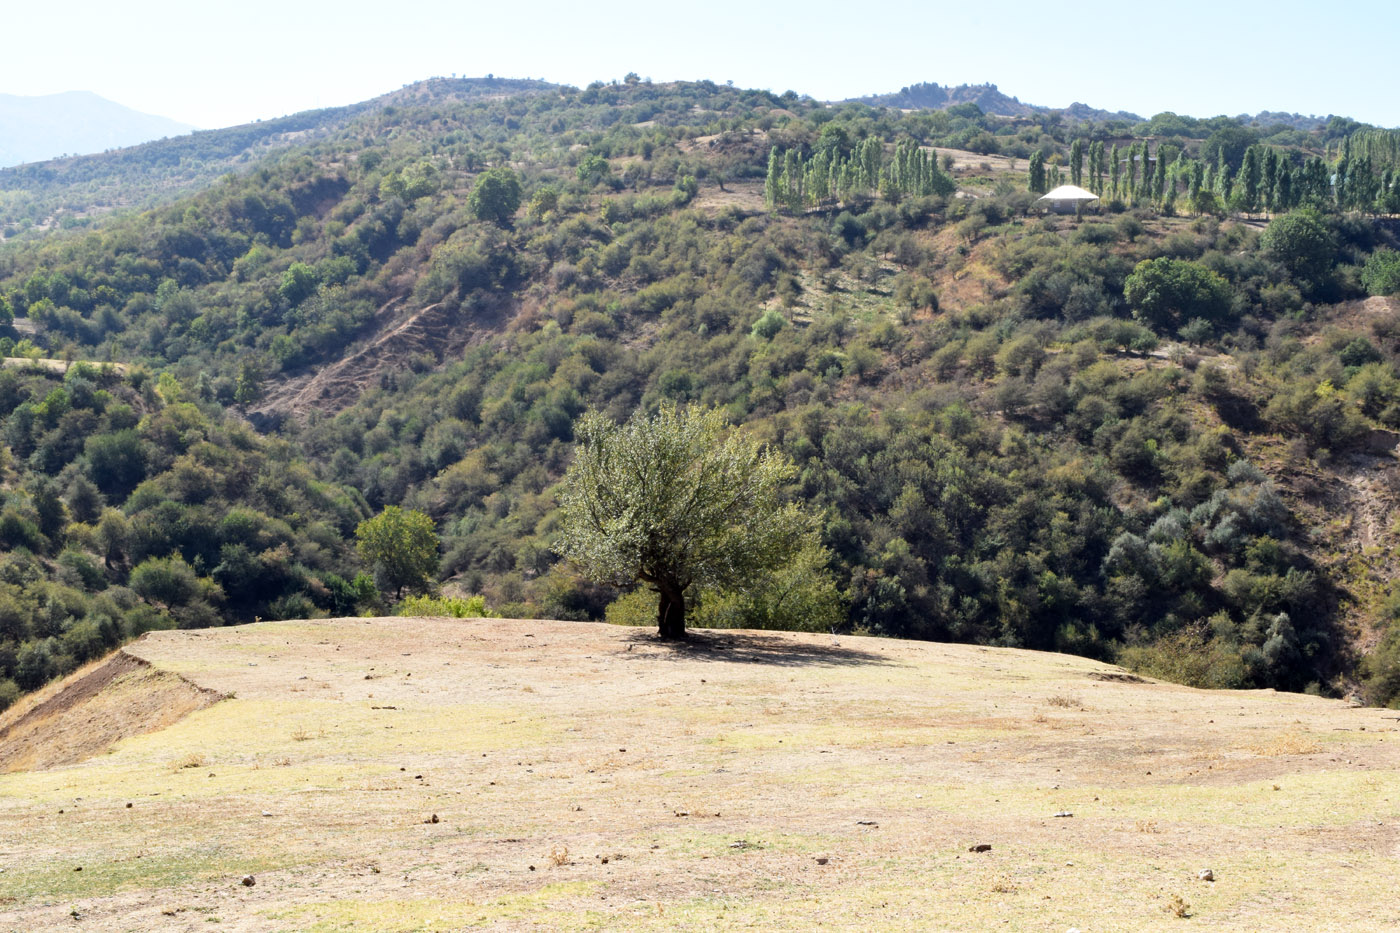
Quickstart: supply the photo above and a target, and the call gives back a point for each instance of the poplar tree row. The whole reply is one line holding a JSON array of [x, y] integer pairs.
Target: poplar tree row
[[1364, 177], [827, 176], [1382, 147]]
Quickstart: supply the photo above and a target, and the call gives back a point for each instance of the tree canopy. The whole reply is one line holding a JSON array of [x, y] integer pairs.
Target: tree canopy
[[402, 546], [1301, 241], [1166, 293], [495, 196], [673, 501], [1381, 275]]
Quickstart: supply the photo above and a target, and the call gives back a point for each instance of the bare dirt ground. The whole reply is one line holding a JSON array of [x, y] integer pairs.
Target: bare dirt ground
[[110, 700], [435, 774], [965, 161], [743, 196]]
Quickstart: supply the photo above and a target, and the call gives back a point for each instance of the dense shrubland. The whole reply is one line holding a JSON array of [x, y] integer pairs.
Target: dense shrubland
[[1067, 435]]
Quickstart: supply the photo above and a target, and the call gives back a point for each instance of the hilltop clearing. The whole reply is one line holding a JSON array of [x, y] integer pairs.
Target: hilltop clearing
[[433, 774]]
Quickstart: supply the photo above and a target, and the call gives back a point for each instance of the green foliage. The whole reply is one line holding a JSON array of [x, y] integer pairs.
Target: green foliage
[[349, 597], [1166, 293], [673, 501], [9, 693], [168, 582], [495, 196], [768, 325], [593, 169], [298, 283], [453, 607], [636, 609], [116, 462], [1301, 241], [827, 175], [1037, 172], [1189, 656], [800, 595], [402, 546], [1381, 275], [1381, 668]]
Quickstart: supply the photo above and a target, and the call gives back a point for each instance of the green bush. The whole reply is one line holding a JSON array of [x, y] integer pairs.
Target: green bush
[[454, 607], [1381, 671], [1165, 293], [1381, 274], [637, 608], [1188, 656], [9, 693], [768, 325], [800, 597]]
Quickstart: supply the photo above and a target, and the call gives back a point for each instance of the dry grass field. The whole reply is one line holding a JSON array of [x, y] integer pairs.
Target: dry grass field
[[437, 774]]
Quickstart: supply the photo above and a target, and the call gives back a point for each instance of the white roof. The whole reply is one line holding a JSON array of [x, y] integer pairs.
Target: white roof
[[1070, 193]]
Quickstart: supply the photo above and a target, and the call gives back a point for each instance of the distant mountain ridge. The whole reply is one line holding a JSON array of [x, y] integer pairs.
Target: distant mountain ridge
[[929, 96], [1273, 118], [33, 129]]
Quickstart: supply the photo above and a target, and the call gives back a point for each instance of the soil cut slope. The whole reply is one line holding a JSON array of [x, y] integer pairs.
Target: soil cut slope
[[438, 774], [92, 710]]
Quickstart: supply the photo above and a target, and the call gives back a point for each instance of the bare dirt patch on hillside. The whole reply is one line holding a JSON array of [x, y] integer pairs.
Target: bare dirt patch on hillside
[[437, 774], [967, 162], [425, 337], [744, 197], [114, 699]]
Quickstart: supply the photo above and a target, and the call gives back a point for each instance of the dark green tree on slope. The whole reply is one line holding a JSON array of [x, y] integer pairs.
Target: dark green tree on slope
[[496, 196]]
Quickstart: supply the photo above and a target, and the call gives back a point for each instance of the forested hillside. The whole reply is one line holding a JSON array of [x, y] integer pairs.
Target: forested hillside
[[1161, 434]]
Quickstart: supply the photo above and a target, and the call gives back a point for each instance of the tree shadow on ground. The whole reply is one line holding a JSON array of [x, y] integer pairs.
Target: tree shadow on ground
[[752, 648]]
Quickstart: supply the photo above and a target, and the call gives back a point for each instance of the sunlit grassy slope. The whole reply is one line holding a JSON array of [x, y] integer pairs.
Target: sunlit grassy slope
[[585, 777]]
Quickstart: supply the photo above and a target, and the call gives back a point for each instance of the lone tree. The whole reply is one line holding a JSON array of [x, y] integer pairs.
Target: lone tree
[[495, 196], [673, 501], [402, 547]]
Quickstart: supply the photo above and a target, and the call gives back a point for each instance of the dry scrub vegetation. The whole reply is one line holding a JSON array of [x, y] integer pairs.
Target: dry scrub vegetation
[[396, 774]]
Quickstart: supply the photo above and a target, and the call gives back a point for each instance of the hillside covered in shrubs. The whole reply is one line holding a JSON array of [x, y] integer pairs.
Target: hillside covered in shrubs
[[1160, 434]]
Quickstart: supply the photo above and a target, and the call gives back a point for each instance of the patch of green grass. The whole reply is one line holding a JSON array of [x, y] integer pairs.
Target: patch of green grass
[[101, 877], [326, 743]]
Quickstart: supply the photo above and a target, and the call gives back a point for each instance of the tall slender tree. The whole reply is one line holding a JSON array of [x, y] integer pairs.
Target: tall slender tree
[[1037, 172], [1268, 175], [1283, 186], [1245, 197], [1134, 158], [770, 183], [1196, 181]]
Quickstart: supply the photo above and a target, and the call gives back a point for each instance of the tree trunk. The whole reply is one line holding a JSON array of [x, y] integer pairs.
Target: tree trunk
[[670, 613]]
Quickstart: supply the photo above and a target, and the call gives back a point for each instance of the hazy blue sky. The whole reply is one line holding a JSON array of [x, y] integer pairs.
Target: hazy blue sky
[[219, 64]]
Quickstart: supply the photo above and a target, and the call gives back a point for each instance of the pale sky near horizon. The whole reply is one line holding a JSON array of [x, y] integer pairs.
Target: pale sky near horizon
[[215, 65]]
